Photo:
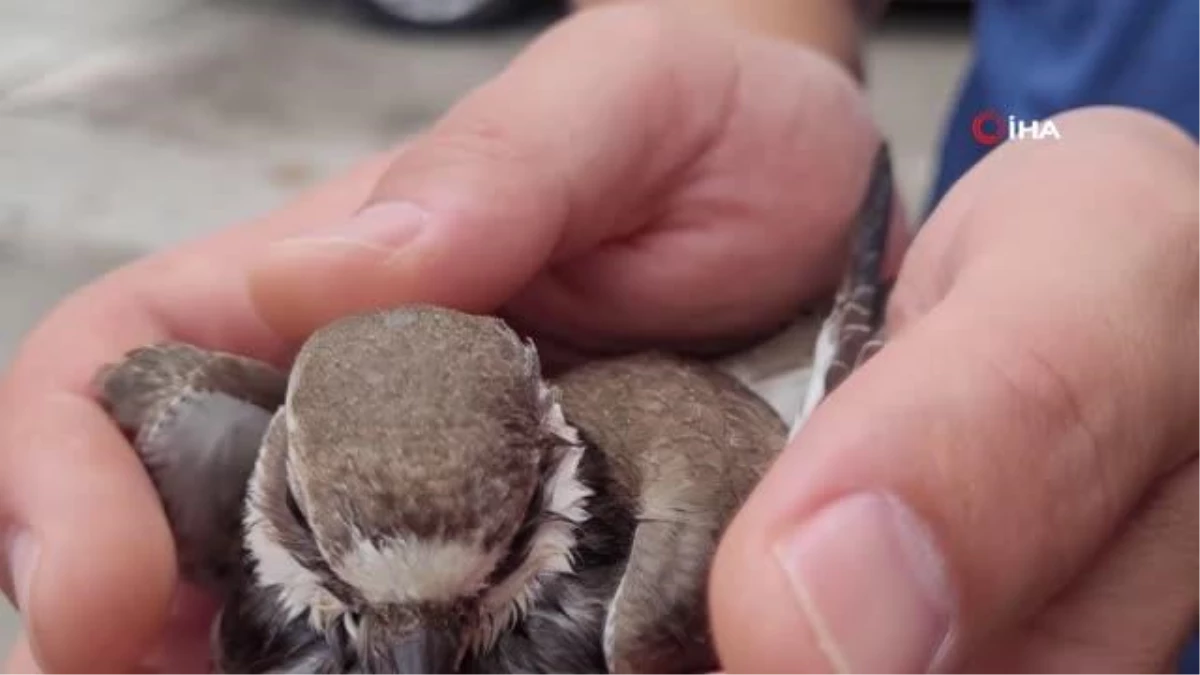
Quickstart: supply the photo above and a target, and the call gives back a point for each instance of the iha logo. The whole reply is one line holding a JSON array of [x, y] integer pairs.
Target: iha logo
[[989, 128]]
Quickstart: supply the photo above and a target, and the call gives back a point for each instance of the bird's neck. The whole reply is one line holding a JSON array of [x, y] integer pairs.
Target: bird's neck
[[545, 545], [565, 610]]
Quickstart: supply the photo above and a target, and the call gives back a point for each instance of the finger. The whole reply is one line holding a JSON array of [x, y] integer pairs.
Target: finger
[[20, 659], [550, 161], [187, 661], [978, 462], [92, 567], [473, 208], [86, 555], [186, 644], [1133, 611]]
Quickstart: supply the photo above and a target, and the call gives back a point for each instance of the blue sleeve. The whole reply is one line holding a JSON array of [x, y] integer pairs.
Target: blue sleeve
[[1189, 662], [1033, 59]]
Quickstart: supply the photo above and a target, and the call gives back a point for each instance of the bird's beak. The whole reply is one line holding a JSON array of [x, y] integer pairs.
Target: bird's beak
[[427, 650]]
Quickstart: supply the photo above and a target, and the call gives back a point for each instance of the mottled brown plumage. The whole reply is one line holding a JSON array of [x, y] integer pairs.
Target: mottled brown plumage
[[685, 444], [151, 379], [456, 405], [450, 443]]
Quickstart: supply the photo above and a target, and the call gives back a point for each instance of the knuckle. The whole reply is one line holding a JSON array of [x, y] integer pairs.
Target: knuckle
[[641, 27], [1031, 388], [909, 300], [481, 140], [1031, 377], [476, 171], [639, 40]]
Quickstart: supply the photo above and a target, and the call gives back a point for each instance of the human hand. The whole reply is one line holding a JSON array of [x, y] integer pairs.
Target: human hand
[[637, 177], [1009, 485]]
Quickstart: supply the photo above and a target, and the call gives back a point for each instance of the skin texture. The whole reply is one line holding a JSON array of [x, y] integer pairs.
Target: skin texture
[[835, 28], [1054, 472]]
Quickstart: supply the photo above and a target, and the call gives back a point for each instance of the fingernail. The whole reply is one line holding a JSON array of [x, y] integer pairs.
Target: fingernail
[[22, 561], [872, 584], [380, 227]]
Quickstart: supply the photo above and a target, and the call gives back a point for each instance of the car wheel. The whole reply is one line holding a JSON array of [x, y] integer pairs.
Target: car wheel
[[440, 13]]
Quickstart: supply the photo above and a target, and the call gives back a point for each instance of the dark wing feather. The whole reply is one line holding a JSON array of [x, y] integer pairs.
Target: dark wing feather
[[254, 634], [196, 419], [854, 329], [137, 390], [860, 308]]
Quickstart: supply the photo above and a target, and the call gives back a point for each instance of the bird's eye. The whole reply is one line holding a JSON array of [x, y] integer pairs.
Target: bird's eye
[[294, 508]]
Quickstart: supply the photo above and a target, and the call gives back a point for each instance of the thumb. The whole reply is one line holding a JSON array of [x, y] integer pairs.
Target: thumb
[[1028, 401], [545, 161]]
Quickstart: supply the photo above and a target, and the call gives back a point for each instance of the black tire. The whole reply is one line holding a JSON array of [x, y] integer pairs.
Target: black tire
[[488, 12]]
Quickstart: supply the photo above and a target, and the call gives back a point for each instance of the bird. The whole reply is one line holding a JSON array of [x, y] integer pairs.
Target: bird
[[415, 495]]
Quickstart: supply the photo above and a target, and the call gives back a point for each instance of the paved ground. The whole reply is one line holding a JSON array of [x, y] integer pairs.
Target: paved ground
[[130, 125]]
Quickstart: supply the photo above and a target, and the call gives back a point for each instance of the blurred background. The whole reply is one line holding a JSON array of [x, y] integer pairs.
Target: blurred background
[[131, 125]]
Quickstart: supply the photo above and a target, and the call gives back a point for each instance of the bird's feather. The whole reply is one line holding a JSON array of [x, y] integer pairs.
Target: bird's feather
[[854, 329], [685, 445], [196, 419]]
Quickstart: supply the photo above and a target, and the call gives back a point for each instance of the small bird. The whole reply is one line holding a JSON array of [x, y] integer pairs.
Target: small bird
[[415, 496]]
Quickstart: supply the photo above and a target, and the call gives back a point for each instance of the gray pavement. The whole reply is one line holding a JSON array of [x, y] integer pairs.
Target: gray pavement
[[131, 125]]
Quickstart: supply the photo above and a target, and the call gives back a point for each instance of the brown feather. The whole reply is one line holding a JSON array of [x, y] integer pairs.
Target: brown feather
[[685, 444]]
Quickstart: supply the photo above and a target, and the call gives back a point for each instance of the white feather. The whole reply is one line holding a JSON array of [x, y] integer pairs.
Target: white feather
[[824, 352], [564, 498], [608, 637], [299, 588], [553, 419], [410, 569]]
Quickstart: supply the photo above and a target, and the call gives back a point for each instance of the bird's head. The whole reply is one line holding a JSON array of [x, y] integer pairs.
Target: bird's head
[[418, 482]]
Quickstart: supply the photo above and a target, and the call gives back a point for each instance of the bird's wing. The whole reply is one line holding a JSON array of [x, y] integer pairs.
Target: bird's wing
[[196, 419], [685, 444], [254, 634], [854, 329]]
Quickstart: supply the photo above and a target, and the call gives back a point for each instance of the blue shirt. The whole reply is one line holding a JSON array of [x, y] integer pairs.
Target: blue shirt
[[1035, 58]]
